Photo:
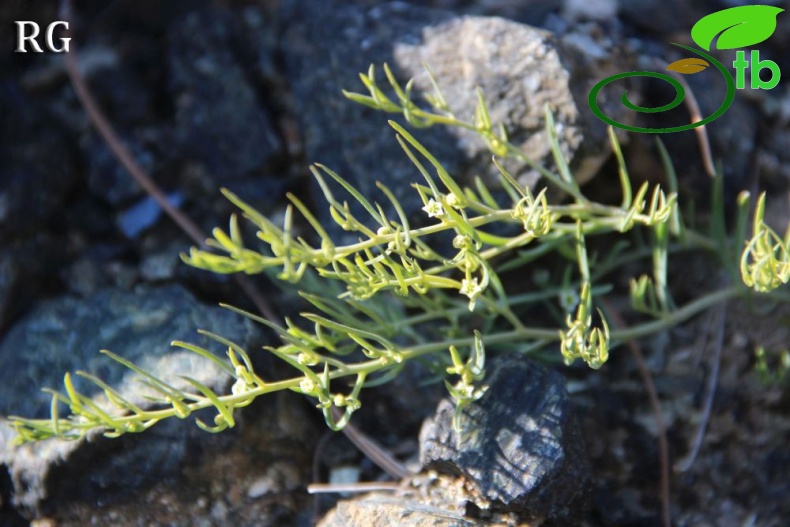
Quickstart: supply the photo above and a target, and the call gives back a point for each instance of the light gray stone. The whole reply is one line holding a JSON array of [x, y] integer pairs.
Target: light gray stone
[[65, 335], [378, 510]]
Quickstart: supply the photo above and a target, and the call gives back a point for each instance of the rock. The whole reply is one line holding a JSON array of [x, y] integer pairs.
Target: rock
[[589, 9], [220, 120], [38, 170], [774, 158], [28, 271], [161, 265], [423, 499], [108, 179], [382, 510], [532, 12], [65, 335], [520, 446], [664, 17], [120, 64], [100, 266], [519, 68], [326, 46]]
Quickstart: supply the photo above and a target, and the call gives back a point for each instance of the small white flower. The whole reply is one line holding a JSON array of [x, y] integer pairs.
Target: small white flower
[[462, 241], [239, 387], [307, 386], [433, 208], [569, 299], [470, 288]]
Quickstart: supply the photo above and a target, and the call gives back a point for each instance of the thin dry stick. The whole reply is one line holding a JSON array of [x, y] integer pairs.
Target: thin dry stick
[[374, 451], [361, 486], [707, 160], [696, 116], [655, 403], [107, 132], [710, 393], [701, 131], [370, 448]]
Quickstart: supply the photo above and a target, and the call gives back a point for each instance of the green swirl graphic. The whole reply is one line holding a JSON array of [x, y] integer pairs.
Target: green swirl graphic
[[680, 94]]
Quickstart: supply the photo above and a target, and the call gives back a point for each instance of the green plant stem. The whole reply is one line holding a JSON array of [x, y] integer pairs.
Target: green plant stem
[[375, 365]]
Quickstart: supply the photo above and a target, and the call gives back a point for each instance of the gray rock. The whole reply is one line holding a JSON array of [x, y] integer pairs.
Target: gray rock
[[519, 446], [65, 335], [220, 121], [519, 68]]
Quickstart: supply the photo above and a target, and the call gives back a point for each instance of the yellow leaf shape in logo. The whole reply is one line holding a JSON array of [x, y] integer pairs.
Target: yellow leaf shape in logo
[[688, 66]]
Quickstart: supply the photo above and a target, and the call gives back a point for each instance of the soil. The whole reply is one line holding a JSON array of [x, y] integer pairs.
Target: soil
[[65, 235]]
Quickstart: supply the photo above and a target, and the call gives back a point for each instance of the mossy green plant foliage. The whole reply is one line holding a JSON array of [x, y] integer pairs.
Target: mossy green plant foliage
[[397, 293]]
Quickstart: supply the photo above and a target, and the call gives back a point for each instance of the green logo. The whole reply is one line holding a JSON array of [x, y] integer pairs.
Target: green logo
[[737, 27]]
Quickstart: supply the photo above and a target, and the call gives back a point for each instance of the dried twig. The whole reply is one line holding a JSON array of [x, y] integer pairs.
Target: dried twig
[[105, 129], [378, 454], [696, 116], [362, 486], [710, 392]]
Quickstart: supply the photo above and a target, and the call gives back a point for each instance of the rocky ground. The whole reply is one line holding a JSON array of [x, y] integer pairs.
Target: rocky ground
[[243, 94]]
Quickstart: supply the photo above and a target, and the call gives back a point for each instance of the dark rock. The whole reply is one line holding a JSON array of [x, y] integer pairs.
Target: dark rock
[[99, 266], [326, 46], [775, 156], [120, 69], [108, 179], [733, 138], [65, 335], [38, 168], [161, 265], [665, 17], [532, 12], [518, 67], [220, 121], [519, 446], [28, 271]]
